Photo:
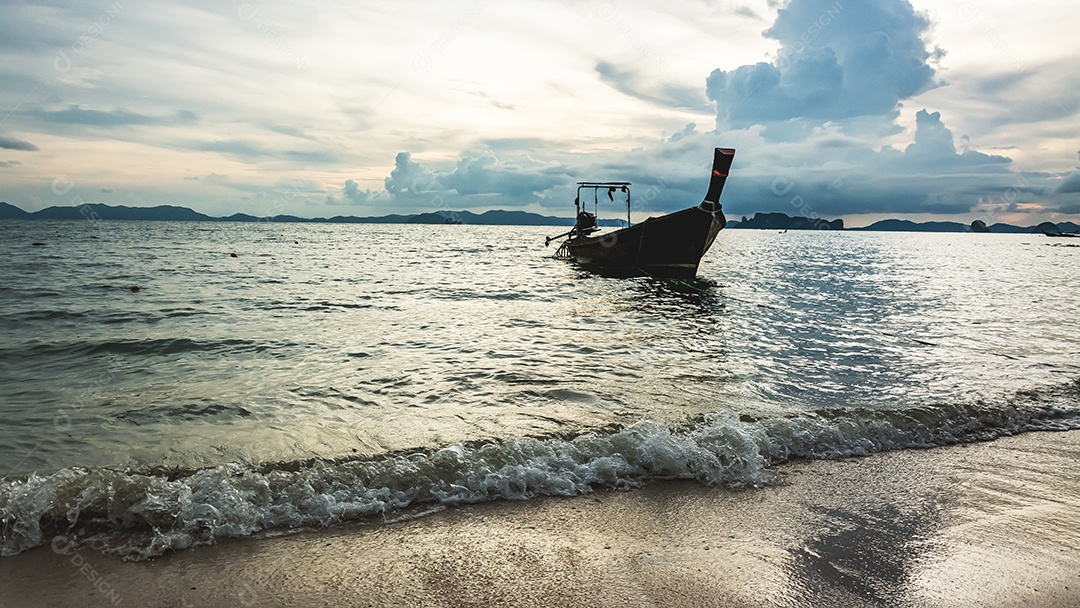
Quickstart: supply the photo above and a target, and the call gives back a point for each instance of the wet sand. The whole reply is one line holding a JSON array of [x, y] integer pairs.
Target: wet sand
[[988, 524]]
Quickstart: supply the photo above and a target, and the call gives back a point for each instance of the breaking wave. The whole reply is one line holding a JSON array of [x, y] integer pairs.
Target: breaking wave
[[142, 514]]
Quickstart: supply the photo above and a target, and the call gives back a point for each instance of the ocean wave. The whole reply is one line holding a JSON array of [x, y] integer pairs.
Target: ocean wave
[[142, 514], [143, 347], [43, 315]]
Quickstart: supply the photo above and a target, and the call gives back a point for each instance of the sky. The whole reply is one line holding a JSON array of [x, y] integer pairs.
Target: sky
[[836, 108]]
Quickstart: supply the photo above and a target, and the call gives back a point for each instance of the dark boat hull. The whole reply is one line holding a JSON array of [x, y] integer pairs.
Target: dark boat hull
[[670, 246]]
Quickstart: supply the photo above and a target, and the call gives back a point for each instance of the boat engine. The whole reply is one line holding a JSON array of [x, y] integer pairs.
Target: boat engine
[[586, 223]]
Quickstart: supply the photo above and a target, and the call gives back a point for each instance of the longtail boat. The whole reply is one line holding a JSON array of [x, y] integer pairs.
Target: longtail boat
[[669, 246]]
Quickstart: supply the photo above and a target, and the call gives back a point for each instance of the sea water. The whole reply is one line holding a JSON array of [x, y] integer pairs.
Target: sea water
[[158, 391]]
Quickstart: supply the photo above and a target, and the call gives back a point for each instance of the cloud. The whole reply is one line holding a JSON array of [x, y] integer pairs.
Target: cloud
[[11, 143], [352, 195], [517, 178], [410, 180], [510, 145], [502, 105], [837, 60], [1070, 184], [826, 172], [290, 131], [928, 176], [258, 190], [687, 131], [1043, 92], [26, 28], [932, 139], [475, 175], [632, 83], [747, 12], [476, 179], [76, 115], [933, 147], [251, 151]]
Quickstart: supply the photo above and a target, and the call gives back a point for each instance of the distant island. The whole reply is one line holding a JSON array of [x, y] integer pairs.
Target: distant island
[[780, 221], [762, 221], [172, 213]]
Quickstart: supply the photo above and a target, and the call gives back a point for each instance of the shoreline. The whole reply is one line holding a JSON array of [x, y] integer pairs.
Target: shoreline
[[981, 524]]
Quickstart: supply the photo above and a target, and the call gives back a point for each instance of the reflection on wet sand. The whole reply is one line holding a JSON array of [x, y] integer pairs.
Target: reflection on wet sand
[[864, 558]]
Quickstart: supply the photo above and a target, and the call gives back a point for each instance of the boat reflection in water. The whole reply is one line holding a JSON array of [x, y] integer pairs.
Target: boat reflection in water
[[670, 246]]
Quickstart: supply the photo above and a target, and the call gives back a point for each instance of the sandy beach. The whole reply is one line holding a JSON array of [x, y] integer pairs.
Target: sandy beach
[[987, 524]]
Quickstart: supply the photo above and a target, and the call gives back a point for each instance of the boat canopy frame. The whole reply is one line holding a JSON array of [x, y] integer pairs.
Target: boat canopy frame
[[596, 187]]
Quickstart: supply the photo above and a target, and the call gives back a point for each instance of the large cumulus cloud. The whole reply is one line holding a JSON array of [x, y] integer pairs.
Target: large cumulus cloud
[[838, 59]]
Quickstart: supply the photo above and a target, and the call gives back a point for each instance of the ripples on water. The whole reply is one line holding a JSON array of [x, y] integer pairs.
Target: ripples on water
[[335, 351]]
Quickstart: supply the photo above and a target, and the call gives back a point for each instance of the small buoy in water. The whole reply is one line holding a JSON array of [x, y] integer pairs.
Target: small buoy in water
[[38, 244], [233, 255], [296, 242], [135, 288]]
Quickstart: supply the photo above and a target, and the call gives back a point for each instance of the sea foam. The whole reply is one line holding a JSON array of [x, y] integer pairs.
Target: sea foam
[[139, 515]]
